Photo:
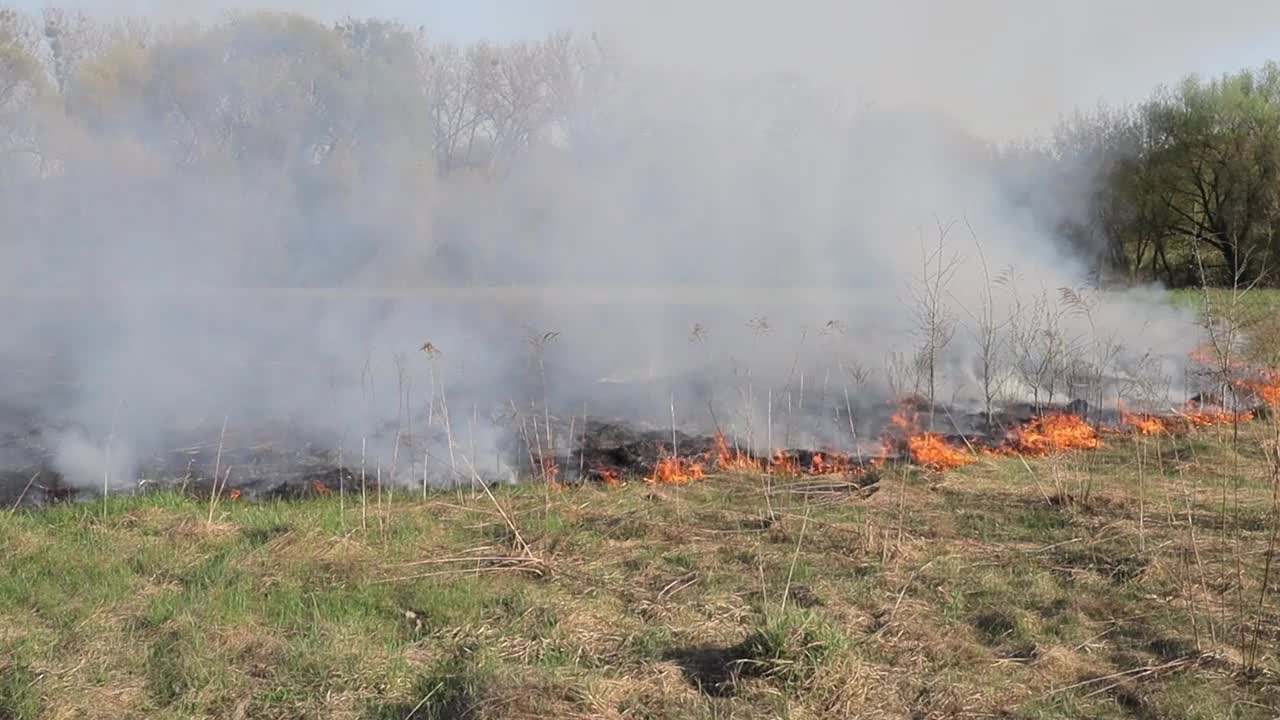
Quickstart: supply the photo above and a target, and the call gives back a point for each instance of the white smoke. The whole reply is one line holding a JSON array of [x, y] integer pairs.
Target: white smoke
[[725, 171]]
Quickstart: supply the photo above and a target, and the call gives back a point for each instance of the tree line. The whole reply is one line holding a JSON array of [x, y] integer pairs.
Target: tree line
[[1185, 185]]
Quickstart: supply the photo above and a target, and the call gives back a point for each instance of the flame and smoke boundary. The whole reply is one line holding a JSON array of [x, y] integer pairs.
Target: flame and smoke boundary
[[266, 249]]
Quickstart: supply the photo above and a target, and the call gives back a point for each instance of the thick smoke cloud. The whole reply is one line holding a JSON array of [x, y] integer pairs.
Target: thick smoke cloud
[[1001, 68], [262, 220]]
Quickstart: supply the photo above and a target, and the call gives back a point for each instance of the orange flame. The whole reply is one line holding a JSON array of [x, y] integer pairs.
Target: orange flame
[[550, 471], [320, 488], [733, 460], [833, 463], [234, 494], [1209, 418], [609, 477], [1146, 424], [931, 450], [1052, 434], [784, 463], [1267, 389], [675, 471]]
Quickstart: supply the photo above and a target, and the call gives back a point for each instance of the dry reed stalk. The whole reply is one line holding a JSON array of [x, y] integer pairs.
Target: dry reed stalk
[[501, 510], [382, 528], [582, 453], [524, 435], [471, 432], [395, 461], [18, 502], [214, 496], [342, 492], [795, 556], [769, 424], [364, 493], [1273, 461], [217, 463], [675, 448], [448, 430], [106, 460]]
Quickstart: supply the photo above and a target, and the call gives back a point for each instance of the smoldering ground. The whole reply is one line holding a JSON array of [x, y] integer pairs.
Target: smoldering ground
[[262, 221]]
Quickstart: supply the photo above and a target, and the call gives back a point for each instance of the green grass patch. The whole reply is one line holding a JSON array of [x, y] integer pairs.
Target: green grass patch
[[972, 592]]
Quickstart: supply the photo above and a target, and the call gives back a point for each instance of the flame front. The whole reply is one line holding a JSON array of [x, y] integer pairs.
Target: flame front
[[1209, 418], [1052, 434], [931, 450], [1146, 424], [675, 471], [1266, 389], [733, 460], [784, 463], [609, 477]]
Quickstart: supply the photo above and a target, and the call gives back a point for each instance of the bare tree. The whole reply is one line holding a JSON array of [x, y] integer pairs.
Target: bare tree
[[935, 321], [988, 332]]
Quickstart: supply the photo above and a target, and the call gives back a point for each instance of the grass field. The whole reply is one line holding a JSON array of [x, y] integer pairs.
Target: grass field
[[1119, 583]]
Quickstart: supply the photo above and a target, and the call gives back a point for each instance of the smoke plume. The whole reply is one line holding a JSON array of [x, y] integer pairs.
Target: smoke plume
[[263, 220]]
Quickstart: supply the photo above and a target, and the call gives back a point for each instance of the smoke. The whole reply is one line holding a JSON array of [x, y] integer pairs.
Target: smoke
[[263, 221], [1000, 68]]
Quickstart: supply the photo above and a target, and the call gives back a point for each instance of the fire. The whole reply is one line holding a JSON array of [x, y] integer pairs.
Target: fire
[[1209, 418], [835, 463], [1209, 356], [1268, 393], [821, 466], [727, 459], [609, 477], [1054, 433], [675, 471], [1267, 389], [1146, 424], [234, 494], [931, 450], [785, 464], [550, 471], [320, 488]]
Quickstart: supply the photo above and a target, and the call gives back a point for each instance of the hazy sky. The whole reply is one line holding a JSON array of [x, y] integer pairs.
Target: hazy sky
[[1004, 67]]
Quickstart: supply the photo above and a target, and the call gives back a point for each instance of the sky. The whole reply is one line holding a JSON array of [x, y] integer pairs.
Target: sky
[[1005, 68]]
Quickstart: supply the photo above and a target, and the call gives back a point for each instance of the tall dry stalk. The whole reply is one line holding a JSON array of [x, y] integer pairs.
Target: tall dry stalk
[[859, 375], [582, 450], [759, 327], [433, 356], [1272, 449], [1225, 327], [538, 344], [395, 461], [217, 468], [364, 493], [106, 461], [342, 492], [215, 496]]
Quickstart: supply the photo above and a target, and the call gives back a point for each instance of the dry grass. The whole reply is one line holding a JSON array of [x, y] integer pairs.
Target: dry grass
[[963, 595]]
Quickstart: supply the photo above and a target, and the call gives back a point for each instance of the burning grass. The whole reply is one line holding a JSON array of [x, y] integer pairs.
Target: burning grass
[[720, 601], [1053, 434], [675, 471], [930, 450]]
